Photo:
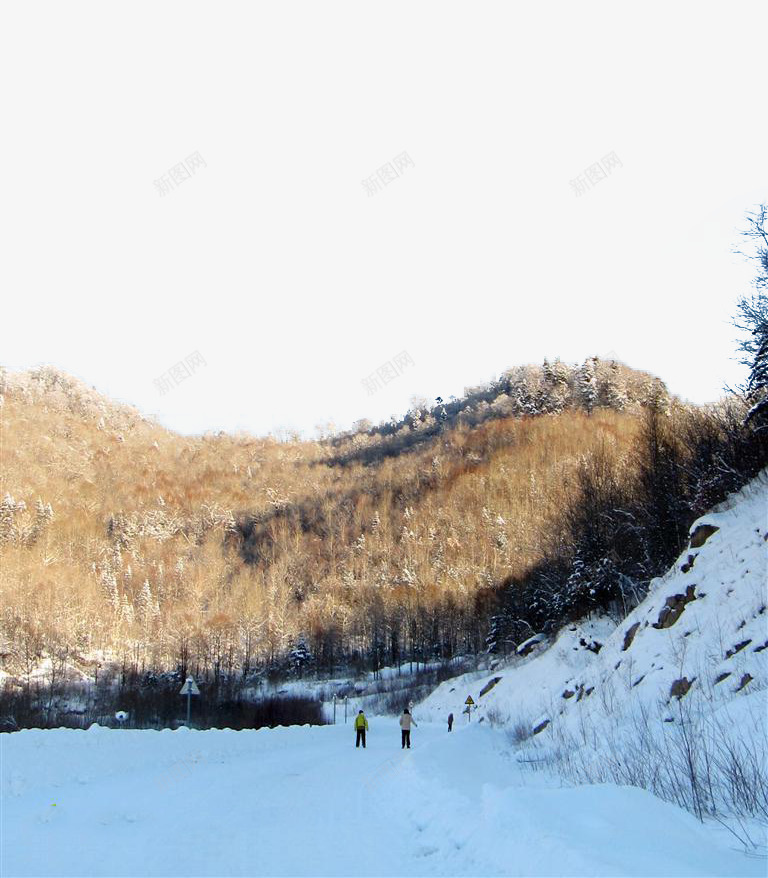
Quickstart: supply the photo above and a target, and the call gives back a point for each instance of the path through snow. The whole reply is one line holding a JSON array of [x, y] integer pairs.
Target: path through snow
[[303, 801]]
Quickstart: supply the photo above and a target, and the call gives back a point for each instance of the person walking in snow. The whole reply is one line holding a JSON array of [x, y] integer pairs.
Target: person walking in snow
[[406, 720], [450, 721], [361, 726]]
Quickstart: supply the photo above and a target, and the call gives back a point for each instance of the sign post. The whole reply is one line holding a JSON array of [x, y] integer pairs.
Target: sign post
[[345, 710], [334, 710], [470, 704], [189, 689]]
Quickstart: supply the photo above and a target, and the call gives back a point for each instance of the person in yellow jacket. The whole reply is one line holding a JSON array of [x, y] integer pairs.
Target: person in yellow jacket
[[361, 727]]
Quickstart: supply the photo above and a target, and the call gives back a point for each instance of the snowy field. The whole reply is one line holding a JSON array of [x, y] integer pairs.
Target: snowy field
[[304, 801]]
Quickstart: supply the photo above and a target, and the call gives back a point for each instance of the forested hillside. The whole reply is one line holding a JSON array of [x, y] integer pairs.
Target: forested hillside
[[460, 528]]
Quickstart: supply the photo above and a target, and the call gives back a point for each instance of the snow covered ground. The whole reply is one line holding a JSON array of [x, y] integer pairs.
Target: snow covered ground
[[304, 801]]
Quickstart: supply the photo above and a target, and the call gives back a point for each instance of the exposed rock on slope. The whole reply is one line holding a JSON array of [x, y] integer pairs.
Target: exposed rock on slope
[[702, 629]]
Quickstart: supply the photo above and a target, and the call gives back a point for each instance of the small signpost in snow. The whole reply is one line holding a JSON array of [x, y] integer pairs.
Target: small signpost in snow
[[470, 704], [189, 689]]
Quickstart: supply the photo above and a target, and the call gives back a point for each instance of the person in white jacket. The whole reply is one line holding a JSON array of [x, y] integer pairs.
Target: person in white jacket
[[406, 721]]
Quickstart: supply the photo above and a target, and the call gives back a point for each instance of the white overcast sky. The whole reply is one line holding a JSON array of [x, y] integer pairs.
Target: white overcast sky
[[290, 281]]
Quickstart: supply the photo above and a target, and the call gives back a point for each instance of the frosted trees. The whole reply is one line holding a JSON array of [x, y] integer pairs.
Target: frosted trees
[[145, 602], [275, 622], [126, 610], [108, 583], [218, 642], [8, 510], [43, 517], [557, 376], [147, 608], [757, 232], [300, 657], [587, 383], [104, 571], [249, 625], [15, 526], [663, 481], [753, 320], [613, 390], [524, 384], [362, 425], [499, 639], [27, 649]]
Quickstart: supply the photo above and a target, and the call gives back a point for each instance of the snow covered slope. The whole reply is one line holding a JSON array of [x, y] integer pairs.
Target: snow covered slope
[[304, 801], [698, 642]]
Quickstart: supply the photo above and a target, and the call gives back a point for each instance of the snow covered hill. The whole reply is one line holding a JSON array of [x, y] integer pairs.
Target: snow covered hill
[[304, 801], [605, 701], [703, 628]]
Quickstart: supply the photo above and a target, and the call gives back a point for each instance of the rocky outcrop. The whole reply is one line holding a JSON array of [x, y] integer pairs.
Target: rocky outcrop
[[680, 687], [488, 686], [747, 678], [674, 606], [629, 636], [527, 646], [702, 533], [688, 564], [738, 648]]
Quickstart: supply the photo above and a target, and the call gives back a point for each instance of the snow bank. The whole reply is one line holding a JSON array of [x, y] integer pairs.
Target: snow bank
[[304, 801]]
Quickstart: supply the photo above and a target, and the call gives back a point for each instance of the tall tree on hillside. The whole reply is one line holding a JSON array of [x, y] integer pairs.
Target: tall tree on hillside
[[594, 525], [662, 481], [752, 319], [587, 383], [612, 386], [300, 657]]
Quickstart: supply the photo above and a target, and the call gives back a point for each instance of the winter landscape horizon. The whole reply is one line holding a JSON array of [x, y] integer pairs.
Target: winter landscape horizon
[[586, 701], [383, 440]]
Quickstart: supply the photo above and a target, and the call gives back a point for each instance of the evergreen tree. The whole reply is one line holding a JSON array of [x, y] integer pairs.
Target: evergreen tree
[[663, 483], [145, 602], [493, 641], [43, 517], [126, 610], [613, 391], [587, 383], [300, 657], [8, 510], [753, 320], [109, 587]]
